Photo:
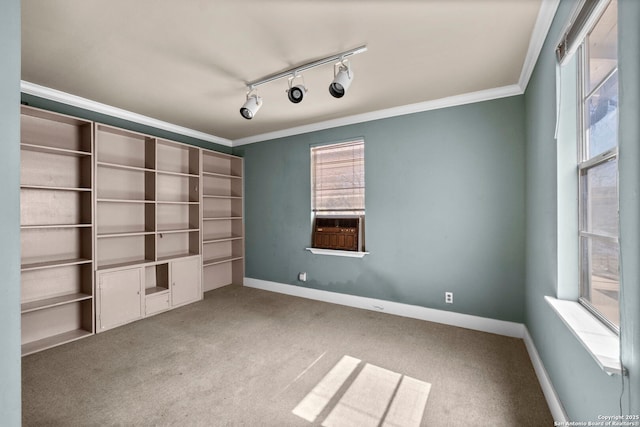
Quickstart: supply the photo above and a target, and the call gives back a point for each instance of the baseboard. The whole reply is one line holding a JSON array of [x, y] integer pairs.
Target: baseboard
[[499, 327], [555, 405]]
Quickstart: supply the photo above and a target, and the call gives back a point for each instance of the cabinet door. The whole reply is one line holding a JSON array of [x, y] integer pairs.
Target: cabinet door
[[157, 303], [185, 281], [119, 297]]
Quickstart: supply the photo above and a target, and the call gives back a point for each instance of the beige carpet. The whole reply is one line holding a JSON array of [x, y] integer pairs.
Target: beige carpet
[[248, 357]]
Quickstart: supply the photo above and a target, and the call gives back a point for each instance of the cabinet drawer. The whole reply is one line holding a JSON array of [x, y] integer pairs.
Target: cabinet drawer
[[156, 303]]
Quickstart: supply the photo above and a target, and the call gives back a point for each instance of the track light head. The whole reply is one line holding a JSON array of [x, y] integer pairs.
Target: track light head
[[341, 81], [251, 106], [296, 93]]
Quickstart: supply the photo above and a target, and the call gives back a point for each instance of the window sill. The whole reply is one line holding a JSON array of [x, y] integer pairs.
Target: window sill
[[335, 252], [601, 343]]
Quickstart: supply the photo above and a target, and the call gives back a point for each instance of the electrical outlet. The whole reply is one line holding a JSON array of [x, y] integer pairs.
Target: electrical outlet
[[302, 277], [448, 297]]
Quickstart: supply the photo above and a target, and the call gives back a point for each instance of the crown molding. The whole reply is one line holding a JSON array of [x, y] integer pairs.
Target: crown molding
[[547, 12], [450, 101], [97, 107]]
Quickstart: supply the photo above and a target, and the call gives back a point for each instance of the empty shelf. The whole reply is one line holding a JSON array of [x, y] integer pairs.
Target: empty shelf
[[52, 302], [53, 341], [51, 264]]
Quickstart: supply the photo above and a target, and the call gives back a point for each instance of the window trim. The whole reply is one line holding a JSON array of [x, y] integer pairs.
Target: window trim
[[338, 213], [338, 252]]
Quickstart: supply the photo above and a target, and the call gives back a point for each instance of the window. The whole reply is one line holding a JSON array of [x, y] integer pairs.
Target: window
[[337, 195], [598, 169]]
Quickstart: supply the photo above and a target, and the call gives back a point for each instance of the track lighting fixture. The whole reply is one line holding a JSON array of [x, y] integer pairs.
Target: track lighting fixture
[[343, 76], [251, 105], [296, 93]]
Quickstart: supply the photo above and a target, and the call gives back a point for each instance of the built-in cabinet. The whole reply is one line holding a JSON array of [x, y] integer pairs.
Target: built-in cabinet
[[185, 277], [119, 297], [131, 293], [117, 226]]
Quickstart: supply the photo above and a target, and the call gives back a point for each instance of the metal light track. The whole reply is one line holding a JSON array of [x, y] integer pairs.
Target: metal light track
[[304, 67]]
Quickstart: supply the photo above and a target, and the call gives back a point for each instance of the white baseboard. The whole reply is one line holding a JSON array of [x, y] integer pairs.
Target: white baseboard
[[499, 327], [555, 405]]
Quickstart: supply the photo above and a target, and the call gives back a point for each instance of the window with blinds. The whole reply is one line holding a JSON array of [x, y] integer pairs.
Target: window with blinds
[[337, 179]]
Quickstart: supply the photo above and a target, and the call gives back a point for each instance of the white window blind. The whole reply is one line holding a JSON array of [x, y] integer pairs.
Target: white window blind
[[337, 178]]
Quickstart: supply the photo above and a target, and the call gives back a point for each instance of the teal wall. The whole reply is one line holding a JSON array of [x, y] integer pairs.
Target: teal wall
[[444, 210], [584, 389], [10, 214], [70, 110]]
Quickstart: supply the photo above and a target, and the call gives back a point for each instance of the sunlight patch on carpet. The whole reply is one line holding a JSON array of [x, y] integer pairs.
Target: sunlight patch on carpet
[[314, 402], [375, 397], [366, 400], [408, 405]]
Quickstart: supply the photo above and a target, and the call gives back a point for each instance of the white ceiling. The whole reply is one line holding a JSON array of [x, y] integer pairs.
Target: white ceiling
[[187, 62]]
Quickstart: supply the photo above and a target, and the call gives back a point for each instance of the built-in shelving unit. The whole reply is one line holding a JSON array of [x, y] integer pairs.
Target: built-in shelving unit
[[115, 225], [125, 198], [148, 220], [148, 198], [178, 200], [56, 217], [222, 220]]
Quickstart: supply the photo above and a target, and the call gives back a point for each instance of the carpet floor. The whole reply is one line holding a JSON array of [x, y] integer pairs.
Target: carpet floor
[[247, 357]]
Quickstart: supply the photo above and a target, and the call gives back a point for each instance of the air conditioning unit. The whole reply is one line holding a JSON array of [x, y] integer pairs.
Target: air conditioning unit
[[341, 233]]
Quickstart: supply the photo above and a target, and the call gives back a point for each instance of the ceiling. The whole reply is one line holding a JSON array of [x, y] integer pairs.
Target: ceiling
[[187, 63]]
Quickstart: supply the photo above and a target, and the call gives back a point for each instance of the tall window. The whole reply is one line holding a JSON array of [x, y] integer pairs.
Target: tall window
[[598, 169], [337, 179]]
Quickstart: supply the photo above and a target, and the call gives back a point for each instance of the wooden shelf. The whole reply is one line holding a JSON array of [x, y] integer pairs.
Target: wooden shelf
[[53, 341], [53, 150], [174, 256], [169, 202], [221, 175], [221, 218], [52, 188], [177, 230], [222, 239], [155, 290], [211, 196], [123, 201], [54, 264], [124, 234], [163, 172], [44, 226], [131, 263], [125, 167], [53, 301], [215, 261]]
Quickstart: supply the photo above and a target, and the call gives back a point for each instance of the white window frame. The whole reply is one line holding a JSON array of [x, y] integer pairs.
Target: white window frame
[[339, 213], [584, 164], [600, 341]]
